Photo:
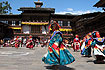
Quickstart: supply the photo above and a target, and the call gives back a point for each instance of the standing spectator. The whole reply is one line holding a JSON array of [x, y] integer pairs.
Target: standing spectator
[[37, 42], [24, 41], [1, 43], [76, 43]]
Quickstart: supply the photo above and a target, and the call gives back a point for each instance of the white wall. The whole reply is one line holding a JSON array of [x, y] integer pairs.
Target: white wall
[[43, 30], [26, 29]]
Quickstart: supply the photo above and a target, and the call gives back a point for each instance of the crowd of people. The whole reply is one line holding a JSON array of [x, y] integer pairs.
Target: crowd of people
[[92, 42], [28, 42], [22, 41]]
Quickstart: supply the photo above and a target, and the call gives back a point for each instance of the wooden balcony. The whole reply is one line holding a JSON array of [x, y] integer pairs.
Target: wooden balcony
[[33, 34], [39, 34]]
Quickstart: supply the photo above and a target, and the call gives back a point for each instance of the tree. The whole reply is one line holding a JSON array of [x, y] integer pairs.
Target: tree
[[5, 7]]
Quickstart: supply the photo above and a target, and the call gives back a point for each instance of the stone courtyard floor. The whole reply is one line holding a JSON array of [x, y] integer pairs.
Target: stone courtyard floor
[[31, 59]]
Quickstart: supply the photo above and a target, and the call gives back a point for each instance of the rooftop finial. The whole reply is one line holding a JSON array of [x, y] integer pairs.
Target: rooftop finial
[[38, 4]]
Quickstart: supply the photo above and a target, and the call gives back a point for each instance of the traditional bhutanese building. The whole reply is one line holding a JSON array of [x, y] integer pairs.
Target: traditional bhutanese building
[[83, 24], [35, 21], [100, 3]]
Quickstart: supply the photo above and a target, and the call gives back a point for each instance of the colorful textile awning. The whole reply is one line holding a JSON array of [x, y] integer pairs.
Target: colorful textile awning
[[35, 23], [63, 29], [15, 27]]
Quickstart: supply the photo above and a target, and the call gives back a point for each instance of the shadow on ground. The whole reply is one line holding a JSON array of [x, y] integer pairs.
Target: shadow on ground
[[60, 67], [96, 62], [87, 56]]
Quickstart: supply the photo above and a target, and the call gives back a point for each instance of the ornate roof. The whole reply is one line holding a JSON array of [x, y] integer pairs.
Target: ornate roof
[[52, 10], [100, 3]]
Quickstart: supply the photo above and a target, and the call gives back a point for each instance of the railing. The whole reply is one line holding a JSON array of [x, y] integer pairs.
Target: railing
[[39, 33], [29, 33], [68, 27], [15, 26], [35, 32]]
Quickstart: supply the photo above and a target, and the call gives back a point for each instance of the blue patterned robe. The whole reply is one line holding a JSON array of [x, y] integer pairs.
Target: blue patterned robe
[[57, 54], [87, 49], [99, 42]]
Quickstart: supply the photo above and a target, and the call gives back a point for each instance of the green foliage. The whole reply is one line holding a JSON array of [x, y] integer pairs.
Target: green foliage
[[5, 7]]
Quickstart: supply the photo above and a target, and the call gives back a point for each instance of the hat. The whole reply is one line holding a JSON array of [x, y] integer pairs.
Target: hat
[[54, 25], [95, 34], [76, 36], [30, 36], [17, 36]]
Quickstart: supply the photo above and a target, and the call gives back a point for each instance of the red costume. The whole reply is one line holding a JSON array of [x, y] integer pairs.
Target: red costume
[[76, 43], [29, 43], [17, 42]]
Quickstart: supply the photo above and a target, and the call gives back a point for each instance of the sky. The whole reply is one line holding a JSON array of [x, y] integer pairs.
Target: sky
[[75, 7]]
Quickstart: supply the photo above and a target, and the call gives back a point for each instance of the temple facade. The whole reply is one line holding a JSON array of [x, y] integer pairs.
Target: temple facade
[[35, 21]]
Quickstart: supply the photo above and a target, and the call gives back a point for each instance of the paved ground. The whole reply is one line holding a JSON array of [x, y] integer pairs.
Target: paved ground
[[27, 59]]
